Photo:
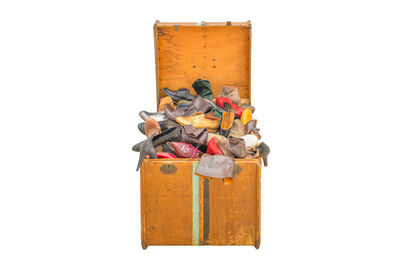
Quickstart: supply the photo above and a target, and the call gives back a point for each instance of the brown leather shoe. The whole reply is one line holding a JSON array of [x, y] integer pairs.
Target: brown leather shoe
[[251, 128], [216, 166], [197, 105], [237, 129], [194, 136], [165, 100], [232, 93], [180, 94], [237, 147], [151, 127], [199, 120]]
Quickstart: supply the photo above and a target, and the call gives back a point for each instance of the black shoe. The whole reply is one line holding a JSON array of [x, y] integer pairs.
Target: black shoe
[[180, 94], [171, 134]]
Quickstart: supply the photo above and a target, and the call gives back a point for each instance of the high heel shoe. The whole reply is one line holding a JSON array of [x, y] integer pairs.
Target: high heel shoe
[[146, 149], [263, 151]]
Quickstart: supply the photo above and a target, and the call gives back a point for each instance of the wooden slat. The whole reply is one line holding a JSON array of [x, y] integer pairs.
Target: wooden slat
[[215, 52]]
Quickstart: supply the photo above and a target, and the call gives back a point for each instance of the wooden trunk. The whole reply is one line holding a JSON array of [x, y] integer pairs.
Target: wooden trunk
[[177, 206]]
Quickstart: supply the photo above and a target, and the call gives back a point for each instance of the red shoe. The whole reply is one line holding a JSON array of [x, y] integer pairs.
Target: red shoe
[[166, 155], [213, 148], [185, 150], [220, 101]]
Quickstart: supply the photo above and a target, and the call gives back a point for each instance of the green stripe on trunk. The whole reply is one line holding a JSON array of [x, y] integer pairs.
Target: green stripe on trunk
[[195, 203]]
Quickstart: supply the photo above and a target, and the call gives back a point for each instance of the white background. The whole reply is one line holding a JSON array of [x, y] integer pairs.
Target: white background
[[325, 84]]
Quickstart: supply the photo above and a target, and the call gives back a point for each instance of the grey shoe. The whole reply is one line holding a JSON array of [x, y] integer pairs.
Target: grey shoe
[[158, 116]]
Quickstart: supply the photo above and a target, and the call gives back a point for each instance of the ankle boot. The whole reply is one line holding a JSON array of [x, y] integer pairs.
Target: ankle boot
[[232, 93], [146, 149], [263, 151], [194, 136], [203, 89], [237, 147]]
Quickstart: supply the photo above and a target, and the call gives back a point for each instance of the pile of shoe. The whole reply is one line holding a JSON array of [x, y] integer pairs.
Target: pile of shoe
[[190, 126]]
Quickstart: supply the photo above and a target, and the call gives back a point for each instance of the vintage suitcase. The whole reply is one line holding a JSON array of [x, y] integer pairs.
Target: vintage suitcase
[[177, 206]]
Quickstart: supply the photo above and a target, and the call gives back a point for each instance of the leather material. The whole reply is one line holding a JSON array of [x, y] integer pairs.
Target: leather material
[[192, 135], [199, 120], [166, 124], [213, 148], [237, 129], [251, 128], [226, 123], [203, 88], [180, 94], [225, 151], [197, 105], [220, 101], [220, 137], [146, 149], [231, 93], [171, 134], [151, 127], [167, 147], [237, 147], [216, 166], [165, 100], [185, 150], [166, 155], [172, 113], [158, 116], [246, 116], [263, 151]]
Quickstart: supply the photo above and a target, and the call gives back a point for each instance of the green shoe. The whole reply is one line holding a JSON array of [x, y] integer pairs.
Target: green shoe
[[203, 88]]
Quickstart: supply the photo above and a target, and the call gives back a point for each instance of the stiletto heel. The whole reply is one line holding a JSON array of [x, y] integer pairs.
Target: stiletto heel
[[146, 148]]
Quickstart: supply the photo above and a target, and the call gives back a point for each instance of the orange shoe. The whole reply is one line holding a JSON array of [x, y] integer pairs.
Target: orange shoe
[[246, 116]]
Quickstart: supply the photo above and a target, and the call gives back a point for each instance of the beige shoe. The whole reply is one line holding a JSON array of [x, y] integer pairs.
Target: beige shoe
[[219, 137], [237, 129], [199, 120]]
